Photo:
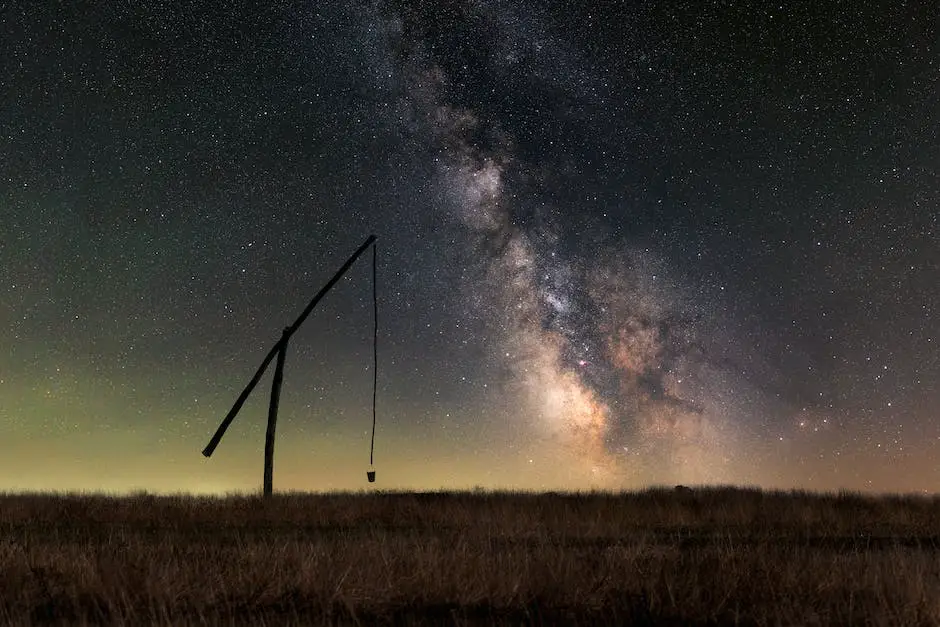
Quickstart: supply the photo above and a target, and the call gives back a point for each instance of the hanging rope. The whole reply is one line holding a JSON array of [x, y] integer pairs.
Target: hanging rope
[[375, 349]]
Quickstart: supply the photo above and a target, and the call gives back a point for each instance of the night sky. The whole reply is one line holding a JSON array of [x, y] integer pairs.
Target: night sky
[[619, 244]]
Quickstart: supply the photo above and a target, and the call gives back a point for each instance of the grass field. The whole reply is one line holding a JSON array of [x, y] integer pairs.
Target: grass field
[[657, 557]]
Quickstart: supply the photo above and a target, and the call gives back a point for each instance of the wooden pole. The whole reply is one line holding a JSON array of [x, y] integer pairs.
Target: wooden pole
[[329, 285], [272, 416], [217, 436]]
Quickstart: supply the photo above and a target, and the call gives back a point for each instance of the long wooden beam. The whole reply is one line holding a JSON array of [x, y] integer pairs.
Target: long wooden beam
[[227, 421], [329, 285], [217, 436]]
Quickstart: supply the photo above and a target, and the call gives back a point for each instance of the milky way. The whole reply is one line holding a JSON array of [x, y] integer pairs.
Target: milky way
[[605, 353]]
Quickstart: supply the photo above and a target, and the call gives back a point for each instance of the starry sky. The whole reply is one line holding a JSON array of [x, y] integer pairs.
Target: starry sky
[[618, 244]]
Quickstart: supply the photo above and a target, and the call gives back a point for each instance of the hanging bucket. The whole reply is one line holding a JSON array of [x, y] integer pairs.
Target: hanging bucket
[[371, 475]]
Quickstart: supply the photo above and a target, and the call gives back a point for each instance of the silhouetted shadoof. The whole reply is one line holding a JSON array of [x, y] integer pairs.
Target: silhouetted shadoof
[[280, 349]]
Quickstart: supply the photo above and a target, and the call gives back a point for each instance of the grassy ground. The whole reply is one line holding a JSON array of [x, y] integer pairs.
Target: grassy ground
[[659, 557]]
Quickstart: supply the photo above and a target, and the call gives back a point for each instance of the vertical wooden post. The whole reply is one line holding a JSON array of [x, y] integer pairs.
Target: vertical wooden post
[[272, 416]]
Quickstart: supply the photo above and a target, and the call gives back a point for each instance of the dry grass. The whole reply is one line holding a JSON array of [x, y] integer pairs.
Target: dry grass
[[713, 556]]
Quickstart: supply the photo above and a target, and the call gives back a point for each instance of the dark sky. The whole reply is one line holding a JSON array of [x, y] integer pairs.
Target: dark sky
[[619, 244]]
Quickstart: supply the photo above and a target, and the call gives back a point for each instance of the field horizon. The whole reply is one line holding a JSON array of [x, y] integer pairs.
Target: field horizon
[[477, 490], [706, 555]]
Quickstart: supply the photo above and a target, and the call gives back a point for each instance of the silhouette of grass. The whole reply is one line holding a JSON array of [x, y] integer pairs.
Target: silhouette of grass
[[657, 557]]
